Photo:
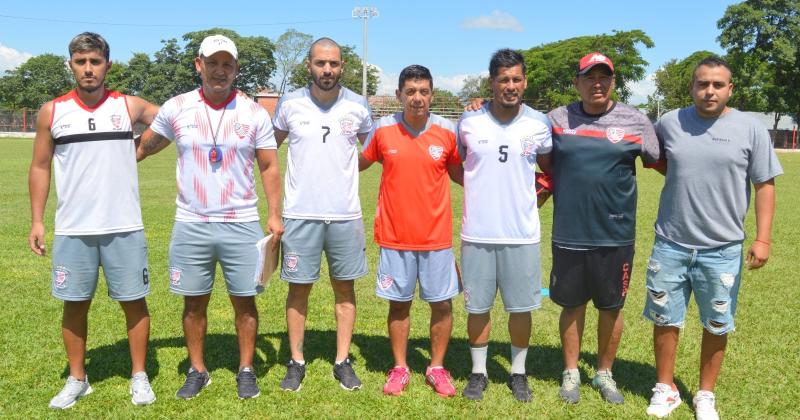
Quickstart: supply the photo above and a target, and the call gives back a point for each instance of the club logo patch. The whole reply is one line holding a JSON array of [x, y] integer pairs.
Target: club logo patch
[[60, 277], [116, 122], [435, 151], [385, 281], [346, 125], [466, 295], [241, 130], [290, 262], [175, 275], [615, 134], [526, 145]]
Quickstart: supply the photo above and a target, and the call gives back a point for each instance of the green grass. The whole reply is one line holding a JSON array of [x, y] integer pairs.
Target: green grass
[[759, 377]]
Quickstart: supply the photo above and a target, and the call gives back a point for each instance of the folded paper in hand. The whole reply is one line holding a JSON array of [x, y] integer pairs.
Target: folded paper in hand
[[267, 261]]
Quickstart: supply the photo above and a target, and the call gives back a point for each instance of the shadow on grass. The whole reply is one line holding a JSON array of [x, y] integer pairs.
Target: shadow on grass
[[543, 363]]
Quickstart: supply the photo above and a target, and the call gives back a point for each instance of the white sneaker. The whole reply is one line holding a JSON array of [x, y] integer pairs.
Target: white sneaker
[[705, 406], [141, 392], [665, 399], [69, 395]]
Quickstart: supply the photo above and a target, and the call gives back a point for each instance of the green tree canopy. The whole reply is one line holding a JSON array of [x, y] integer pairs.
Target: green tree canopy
[[290, 49], [672, 82], [551, 67], [35, 82], [762, 38], [475, 87], [351, 74]]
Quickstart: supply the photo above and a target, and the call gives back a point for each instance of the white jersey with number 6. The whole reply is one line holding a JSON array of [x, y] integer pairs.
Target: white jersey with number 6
[[322, 163], [499, 175]]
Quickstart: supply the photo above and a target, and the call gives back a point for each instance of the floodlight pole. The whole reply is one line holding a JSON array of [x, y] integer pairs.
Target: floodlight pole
[[364, 13]]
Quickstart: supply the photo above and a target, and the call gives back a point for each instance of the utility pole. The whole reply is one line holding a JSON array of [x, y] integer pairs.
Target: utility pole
[[364, 13]]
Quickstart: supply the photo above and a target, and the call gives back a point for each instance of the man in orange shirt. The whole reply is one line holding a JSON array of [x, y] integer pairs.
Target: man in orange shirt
[[413, 223]]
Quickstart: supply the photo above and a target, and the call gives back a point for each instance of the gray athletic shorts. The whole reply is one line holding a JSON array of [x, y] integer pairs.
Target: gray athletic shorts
[[304, 240], [514, 269], [123, 257], [398, 272], [195, 249]]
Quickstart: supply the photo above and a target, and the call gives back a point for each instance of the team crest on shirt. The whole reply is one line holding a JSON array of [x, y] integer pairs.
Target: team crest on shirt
[[241, 129], [60, 277], [526, 145], [385, 281], [290, 262], [175, 275], [347, 126], [435, 151], [116, 122], [615, 134]]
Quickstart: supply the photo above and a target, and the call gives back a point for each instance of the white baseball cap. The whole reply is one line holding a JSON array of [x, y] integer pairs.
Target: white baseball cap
[[216, 43]]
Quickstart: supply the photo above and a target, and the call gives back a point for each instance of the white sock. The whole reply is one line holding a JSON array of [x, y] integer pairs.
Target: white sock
[[300, 362], [518, 356], [479, 359]]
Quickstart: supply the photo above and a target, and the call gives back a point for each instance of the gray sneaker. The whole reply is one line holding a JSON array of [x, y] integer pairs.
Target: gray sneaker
[[72, 391], [295, 372], [195, 382], [141, 392], [570, 386], [344, 373], [476, 384], [246, 385], [604, 382], [518, 384]]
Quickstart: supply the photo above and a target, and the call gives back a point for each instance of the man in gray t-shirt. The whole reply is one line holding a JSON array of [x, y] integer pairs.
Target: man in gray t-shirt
[[712, 154]]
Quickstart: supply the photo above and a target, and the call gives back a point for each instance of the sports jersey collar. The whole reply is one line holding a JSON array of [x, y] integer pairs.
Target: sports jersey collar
[[583, 111], [521, 112], [414, 133], [221, 105], [80, 103], [319, 104]]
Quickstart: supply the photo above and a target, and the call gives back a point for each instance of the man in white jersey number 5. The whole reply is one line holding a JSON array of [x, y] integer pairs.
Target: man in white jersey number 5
[[322, 124], [220, 136]]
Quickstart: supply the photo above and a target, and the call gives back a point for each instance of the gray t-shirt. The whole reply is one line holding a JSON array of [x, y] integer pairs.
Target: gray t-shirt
[[710, 165]]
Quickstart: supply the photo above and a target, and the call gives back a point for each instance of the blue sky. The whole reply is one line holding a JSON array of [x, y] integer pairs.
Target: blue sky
[[453, 39]]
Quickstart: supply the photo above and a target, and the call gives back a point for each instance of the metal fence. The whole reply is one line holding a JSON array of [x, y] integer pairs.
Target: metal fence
[[21, 120], [24, 120]]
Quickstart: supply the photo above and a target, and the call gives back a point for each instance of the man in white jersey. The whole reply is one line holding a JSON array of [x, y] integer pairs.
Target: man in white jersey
[[501, 145], [219, 136], [322, 124], [89, 131]]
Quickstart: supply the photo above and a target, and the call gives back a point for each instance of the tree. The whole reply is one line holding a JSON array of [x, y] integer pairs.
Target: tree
[[672, 82], [551, 67], [475, 87], [351, 73], [762, 38], [35, 82], [290, 48]]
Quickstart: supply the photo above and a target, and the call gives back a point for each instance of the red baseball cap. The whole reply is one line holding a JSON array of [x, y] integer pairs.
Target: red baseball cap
[[593, 59]]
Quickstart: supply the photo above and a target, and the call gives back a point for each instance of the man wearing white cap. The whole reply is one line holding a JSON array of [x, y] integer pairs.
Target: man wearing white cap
[[595, 144], [219, 136]]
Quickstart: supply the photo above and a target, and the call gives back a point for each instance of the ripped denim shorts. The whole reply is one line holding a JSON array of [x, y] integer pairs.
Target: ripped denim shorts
[[674, 272]]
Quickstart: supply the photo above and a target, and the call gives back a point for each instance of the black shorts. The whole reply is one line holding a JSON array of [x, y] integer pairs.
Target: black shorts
[[601, 275]]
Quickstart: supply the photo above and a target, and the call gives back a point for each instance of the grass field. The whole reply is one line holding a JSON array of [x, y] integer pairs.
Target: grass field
[[759, 378]]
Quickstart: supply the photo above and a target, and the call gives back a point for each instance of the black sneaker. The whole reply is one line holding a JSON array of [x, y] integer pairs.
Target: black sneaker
[[195, 381], [344, 373], [246, 385], [476, 384], [295, 372], [518, 384]]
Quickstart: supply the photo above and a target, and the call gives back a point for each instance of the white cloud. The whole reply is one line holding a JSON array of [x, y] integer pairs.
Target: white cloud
[[11, 58], [495, 20], [642, 88]]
